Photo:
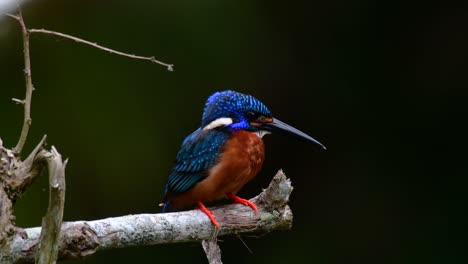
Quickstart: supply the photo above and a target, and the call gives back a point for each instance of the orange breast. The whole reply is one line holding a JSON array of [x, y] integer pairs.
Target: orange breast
[[239, 162]]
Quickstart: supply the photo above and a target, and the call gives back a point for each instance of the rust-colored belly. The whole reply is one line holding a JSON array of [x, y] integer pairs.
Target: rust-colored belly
[[240, 161]]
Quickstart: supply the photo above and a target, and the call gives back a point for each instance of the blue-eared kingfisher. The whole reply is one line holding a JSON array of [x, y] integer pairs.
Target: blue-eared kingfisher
[[226, 152]]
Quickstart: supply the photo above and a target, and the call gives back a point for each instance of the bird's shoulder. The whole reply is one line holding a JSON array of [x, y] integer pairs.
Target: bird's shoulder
[[198, 153], [201, 144]]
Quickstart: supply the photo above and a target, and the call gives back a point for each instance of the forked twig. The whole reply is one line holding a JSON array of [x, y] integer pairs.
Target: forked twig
[[27, 69]]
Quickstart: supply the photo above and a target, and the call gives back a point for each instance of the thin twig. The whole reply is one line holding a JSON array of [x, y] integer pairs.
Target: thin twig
[[29, 85], [170, 67], [27, 69], [18, 101], [13, 16], [245, 244]]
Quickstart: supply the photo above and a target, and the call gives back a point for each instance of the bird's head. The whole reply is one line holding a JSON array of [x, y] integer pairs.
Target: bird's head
[[233, 110]]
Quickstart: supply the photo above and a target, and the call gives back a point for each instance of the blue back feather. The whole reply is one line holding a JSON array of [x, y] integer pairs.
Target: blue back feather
[[198, 153]]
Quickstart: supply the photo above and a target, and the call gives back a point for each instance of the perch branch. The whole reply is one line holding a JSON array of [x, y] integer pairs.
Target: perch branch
[[170, 67], [82, 238], [52, 221]]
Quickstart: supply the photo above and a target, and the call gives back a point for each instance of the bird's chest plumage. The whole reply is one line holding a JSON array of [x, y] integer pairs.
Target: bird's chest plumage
[[239, 162]]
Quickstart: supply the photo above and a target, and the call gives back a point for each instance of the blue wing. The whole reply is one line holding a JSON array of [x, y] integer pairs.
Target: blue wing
[[197, 154]]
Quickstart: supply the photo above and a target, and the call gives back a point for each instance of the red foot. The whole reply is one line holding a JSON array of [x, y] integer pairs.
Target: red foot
[[208, 213], [237, 199]]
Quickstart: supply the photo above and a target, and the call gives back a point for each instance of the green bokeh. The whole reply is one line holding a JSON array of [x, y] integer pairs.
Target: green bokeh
[[380, 86]]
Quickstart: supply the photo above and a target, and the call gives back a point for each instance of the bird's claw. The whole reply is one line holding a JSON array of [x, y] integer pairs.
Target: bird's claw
[[237, 199]]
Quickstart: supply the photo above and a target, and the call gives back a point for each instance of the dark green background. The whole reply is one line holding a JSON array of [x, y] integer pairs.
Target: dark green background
[[383, 86]]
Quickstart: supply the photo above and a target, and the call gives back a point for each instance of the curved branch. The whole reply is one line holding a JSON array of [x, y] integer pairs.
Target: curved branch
[[29, 85], [82, 238], [170, 67]]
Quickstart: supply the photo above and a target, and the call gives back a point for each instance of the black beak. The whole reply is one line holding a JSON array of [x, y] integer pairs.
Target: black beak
[[283, 128]]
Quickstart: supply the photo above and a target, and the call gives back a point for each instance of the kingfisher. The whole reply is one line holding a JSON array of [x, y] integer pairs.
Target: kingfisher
[[224, 153]]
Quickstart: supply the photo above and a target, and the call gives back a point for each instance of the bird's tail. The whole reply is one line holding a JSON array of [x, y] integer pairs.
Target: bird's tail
[[165, 207], [165, 203]]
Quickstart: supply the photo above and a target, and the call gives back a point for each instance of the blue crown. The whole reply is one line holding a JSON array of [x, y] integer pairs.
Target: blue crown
[[231, 104]]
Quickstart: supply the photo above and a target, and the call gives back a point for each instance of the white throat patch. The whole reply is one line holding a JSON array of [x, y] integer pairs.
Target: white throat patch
[[261, 133], [218, 122]]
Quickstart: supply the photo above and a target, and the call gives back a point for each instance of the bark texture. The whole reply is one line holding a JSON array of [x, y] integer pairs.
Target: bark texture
[[83, 238]]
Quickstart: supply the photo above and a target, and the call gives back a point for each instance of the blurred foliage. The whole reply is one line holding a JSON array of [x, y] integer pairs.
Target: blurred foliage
[[381, 85]]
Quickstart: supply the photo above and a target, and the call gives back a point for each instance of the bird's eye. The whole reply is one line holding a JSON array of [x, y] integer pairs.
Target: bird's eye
[[251, 115]]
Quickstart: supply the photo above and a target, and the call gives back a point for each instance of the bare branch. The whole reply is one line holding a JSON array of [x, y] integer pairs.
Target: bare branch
[[27, 69], [212, 251], [83, 238], [52, 221], [8, 230], [13, 16], [29, 85], [170, 67], [19, 175], [18, 101], [6, 217]]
